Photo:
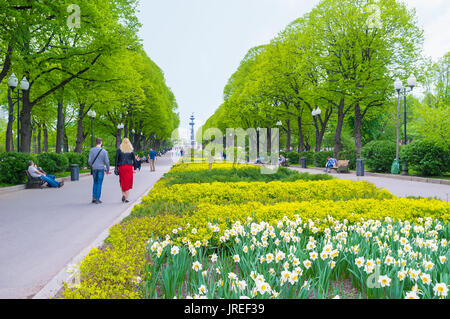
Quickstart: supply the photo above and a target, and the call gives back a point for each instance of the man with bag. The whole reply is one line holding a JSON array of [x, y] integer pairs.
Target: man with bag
[[98, 160]]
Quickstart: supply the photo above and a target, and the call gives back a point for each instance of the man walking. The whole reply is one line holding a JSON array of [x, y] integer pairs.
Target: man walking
[[152, 157], [98, 160]]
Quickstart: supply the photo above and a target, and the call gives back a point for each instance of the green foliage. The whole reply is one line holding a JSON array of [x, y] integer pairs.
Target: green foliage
[[322, 158], [52, 162], [111, 155], [76, 158], [426, 157], [379, 155], [432, 122], [244, 174], [309, 155], [85, 156], [293, 157], [12, 166]]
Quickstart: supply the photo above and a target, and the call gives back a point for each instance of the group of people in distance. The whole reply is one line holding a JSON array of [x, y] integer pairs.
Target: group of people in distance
[[127, 163]]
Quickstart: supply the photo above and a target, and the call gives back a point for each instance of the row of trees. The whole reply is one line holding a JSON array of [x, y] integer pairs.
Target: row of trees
[[81, 56], [342, 58]]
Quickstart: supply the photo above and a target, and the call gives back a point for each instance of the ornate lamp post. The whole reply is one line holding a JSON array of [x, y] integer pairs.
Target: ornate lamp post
[[315, 113], [92, 115], [13, 82], [120, 127], [412, 83]]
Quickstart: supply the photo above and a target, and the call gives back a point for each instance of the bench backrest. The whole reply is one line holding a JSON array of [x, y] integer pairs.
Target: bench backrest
[[30, 178], [343, 163]]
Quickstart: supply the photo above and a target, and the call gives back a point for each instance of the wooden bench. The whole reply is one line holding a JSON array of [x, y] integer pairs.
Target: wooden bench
[[342, 166], [33, 182]]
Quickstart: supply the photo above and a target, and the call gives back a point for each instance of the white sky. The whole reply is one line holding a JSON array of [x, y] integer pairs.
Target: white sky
[[200, 43]]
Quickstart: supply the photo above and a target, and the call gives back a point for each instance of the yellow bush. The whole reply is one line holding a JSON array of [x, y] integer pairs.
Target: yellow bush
[[110, 273], [228, 193]]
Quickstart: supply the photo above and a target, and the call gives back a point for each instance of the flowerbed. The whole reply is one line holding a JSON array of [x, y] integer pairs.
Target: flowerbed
[[235, 231], [289, 260], [221, 193]]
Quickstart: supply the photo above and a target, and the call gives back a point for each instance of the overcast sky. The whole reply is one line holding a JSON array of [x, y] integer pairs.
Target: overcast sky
[[200, 43]]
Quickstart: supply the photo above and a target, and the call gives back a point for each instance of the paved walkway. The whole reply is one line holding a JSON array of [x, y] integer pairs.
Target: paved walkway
[[400, 188], [42, 230]]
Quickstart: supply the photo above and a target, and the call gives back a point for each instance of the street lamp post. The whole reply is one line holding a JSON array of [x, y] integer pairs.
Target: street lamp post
[[412, 82], [13, 82], [92, 115], [120, 128], [315, 113]]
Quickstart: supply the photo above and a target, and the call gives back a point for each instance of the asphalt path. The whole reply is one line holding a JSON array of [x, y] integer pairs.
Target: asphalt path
[[397, 187], [42, 230]]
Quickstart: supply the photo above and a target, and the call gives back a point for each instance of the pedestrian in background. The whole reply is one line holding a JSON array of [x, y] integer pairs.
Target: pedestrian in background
[[125, 164], [152, 157], [99, 163]]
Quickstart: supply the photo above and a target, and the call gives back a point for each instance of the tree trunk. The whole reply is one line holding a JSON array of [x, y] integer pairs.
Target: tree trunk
[[317, 149], [45, 149], [66, 142], [300, 135], [25, 123], [34, 133], [288, 136], [80, 130], [39, 139], [358, 122], [340, 124], [60, 127], [118, 139], [9, 147]]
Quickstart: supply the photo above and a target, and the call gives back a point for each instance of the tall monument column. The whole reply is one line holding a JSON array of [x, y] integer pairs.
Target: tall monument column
[[192, 124]]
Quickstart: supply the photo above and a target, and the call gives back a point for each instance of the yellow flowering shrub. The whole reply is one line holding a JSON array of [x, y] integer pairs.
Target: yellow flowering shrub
[[228, 193], [111, 272]]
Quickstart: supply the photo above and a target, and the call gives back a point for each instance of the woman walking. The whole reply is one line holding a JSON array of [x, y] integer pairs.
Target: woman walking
[[125, 164]]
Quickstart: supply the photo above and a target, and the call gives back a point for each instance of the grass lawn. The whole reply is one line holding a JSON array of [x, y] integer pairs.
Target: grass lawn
[[5, 185]]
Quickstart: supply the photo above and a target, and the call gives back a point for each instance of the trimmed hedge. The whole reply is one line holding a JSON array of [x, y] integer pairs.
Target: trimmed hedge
[[52, 162], [111, 155], [309, 155], [427, 158], [293, 157], [379, 155], [76, 158], [12, 166]]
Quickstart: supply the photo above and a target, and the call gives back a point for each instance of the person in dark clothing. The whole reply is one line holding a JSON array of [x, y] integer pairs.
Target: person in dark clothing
[[138, 165], [125, 164]]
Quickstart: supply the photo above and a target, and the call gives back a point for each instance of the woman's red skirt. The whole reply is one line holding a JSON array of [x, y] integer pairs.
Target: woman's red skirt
[[126, 177]]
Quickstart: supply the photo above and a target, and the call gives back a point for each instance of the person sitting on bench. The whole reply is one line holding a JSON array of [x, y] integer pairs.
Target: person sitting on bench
[[283, 161], [49, 179], [331, 163]]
